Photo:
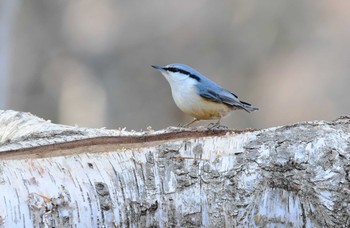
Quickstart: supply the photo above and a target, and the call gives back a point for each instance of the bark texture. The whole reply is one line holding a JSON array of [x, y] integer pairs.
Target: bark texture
[[61, 176]]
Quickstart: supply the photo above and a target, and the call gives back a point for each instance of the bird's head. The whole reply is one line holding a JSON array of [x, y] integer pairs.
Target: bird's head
[[178, 72]]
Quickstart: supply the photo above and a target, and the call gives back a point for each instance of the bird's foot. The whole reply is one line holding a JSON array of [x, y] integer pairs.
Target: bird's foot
[[182, 126], [217, 126]]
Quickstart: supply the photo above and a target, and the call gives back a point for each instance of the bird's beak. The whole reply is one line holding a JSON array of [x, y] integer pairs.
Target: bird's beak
[[158, 67]]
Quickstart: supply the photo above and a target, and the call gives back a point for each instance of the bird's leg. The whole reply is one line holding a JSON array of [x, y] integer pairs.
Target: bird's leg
[[216, 125], [188, 124]]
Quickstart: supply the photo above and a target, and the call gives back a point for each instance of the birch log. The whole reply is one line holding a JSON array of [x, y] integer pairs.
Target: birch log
[[62, 176]]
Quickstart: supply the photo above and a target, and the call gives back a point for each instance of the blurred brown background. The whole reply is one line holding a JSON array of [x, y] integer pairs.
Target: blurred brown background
[[87, 62]]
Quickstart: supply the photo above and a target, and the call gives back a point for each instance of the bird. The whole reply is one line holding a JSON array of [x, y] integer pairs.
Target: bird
[[198, 96]]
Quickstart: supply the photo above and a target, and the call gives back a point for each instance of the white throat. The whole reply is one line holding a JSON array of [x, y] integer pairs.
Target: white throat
[[183, 89], [180, 83], [175, 77]]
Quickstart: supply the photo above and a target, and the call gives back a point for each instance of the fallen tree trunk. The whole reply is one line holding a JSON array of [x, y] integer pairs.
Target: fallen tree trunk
[[61, 176]]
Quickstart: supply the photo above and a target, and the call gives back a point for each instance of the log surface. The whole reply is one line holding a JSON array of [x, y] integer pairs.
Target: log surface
[[60, 176]]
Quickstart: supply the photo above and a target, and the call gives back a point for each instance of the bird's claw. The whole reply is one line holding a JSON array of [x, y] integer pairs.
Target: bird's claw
[[182, 126], [217, 126]]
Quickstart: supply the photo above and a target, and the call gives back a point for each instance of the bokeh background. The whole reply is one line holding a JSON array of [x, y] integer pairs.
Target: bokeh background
[[87, 62]]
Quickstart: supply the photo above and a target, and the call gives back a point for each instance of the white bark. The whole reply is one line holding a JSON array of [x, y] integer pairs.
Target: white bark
[[60, 176]]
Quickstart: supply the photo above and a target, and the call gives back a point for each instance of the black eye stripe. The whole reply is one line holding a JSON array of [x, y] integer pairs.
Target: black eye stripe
[[176, 70]]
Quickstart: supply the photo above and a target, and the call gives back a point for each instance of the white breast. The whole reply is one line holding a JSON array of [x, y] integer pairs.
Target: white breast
[[185, 94]]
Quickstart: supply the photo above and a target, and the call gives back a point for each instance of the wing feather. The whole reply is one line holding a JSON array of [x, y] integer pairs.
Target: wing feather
[[222, 96], [226, 97]]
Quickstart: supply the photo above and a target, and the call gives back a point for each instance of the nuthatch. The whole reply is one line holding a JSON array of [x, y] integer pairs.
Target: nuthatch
[[198, 96]]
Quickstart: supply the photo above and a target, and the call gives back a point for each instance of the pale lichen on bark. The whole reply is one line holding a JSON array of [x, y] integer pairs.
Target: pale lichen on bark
[[291, 176]]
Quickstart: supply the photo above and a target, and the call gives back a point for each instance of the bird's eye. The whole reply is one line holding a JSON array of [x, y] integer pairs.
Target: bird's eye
[[177, 70], [172, 69]]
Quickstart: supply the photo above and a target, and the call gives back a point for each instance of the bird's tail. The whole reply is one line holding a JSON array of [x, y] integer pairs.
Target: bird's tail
[[248, 107]]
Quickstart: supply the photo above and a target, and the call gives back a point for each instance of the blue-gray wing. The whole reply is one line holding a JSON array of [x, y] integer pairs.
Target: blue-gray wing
[[221, 95]]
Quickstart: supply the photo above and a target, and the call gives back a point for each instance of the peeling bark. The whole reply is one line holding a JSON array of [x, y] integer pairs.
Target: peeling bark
[[61, 176]]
